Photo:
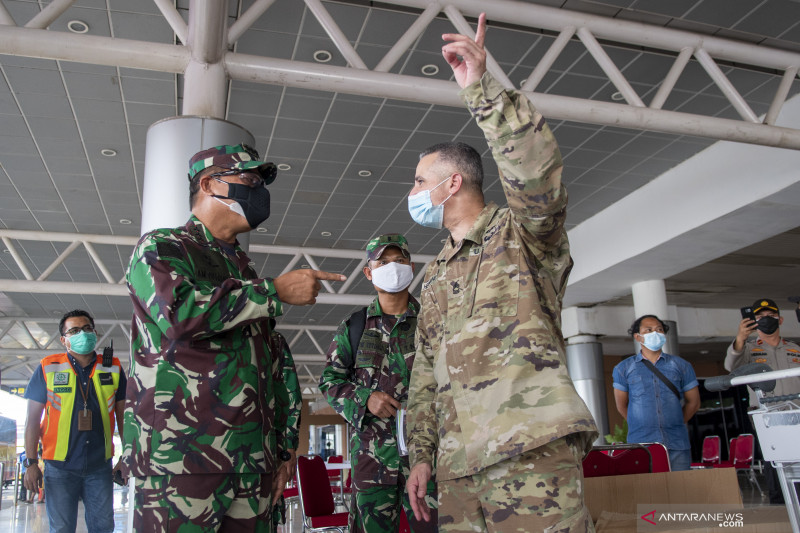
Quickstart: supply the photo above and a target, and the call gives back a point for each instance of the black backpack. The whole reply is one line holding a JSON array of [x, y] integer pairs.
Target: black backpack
[[356, 324]]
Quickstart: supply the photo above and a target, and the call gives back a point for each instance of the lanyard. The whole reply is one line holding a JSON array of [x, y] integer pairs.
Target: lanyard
[[79, 373]]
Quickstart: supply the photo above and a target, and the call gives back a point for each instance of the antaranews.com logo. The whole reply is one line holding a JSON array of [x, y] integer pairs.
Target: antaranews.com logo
[[657, 518]]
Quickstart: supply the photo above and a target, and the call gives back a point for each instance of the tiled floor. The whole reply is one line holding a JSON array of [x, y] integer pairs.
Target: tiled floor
[[32, 518]]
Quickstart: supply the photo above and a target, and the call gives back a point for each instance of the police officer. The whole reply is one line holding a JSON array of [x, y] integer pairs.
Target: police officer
[[767, 346], [770, 348]]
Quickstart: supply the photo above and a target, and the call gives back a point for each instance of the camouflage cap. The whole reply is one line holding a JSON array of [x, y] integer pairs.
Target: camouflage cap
[[765, 303], [240, 156], [376, 246]]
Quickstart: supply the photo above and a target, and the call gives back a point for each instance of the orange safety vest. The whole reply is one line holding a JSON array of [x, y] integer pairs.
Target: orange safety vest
[[62, 388]]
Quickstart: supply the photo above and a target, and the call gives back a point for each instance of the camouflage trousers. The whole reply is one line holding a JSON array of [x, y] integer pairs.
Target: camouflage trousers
[[377, 509], [539, 490], [189, 503]]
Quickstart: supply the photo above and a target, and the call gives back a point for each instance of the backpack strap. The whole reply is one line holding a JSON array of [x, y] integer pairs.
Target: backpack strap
[[356, 324]]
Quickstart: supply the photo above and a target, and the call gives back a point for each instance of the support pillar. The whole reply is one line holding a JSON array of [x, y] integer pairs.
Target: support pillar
[[170, 144], [585, 366], [650, 298]]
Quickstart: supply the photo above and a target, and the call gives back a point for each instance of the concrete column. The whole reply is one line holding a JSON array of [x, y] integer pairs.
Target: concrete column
[[650, 298], [170, 144], [205, 88], [585, 366]]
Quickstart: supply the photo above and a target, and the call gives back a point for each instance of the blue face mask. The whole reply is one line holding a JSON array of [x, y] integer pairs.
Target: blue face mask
[[654, 340], [82, 342], [422, 210]]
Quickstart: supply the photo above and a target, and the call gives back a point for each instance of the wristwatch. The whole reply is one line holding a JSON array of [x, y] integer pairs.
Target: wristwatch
[[284, 456], [30, 462]]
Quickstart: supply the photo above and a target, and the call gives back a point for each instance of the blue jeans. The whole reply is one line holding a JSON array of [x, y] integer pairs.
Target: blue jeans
[[62, 488], [680, 459]]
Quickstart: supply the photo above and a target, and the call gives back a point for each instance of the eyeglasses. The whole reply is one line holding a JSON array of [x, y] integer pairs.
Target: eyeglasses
[[74, 331], [251, 179]]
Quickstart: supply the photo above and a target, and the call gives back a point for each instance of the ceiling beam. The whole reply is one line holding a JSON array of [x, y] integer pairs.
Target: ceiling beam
[[615, 30], [175, 58], [714, 203]]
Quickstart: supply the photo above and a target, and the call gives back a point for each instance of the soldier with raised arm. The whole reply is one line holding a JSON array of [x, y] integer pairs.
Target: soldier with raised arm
[[490, 401]]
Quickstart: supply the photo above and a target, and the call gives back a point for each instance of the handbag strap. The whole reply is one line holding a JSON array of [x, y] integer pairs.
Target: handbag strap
[[652, 368]]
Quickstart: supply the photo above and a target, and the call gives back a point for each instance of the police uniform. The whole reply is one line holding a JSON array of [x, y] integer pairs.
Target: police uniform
[[784, 356]]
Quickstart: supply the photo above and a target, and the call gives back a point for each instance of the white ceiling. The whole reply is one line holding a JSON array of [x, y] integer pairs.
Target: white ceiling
[[57, 116]]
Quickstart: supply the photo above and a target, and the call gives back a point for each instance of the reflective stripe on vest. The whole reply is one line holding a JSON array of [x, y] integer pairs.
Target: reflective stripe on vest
[[62, 390]]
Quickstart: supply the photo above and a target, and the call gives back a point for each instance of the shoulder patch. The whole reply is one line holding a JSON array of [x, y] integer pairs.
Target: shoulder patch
[[429, 282], [169, 249]]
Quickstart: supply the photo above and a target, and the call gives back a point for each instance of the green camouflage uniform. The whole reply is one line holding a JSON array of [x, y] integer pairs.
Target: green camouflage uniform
[[201, 396], [288, 396], [490, 380], [382, 362], [288, 404]]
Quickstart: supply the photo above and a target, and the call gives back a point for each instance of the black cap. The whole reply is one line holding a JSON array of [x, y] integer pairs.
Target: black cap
[[765, 303]]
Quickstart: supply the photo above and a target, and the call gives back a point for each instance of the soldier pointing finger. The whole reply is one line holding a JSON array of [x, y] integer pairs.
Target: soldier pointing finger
[[200, 431]]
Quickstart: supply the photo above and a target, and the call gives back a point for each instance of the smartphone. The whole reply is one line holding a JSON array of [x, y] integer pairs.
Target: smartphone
[[747, 312], [118, 478]]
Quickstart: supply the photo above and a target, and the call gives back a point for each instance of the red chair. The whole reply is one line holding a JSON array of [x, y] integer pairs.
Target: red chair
[[597, 463], [626, 459], [738, 456], [404, 526], [742, 450], [291, 496], [711, 453], [335, 478], [659, 456], [316, 498]]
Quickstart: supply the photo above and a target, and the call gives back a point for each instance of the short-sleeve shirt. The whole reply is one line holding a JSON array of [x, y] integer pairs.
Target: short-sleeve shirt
[[86, 449], [655, 414]]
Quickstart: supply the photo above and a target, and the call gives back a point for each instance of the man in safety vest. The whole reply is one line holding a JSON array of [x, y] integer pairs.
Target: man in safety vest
[[81, 398]]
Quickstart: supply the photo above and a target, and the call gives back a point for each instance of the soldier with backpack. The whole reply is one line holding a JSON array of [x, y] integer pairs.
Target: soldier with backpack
[[366, 381]]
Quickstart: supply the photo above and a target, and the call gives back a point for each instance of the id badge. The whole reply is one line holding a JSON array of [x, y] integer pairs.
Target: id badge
[[84, 420]]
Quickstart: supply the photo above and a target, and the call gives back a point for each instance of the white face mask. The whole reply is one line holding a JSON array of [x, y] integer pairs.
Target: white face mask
[[653, 340], [422, 210], [392, 277]]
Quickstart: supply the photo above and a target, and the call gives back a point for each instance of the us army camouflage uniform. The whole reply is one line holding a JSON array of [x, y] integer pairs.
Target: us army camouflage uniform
[[382, 362], [490, 381], [201, 396]]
